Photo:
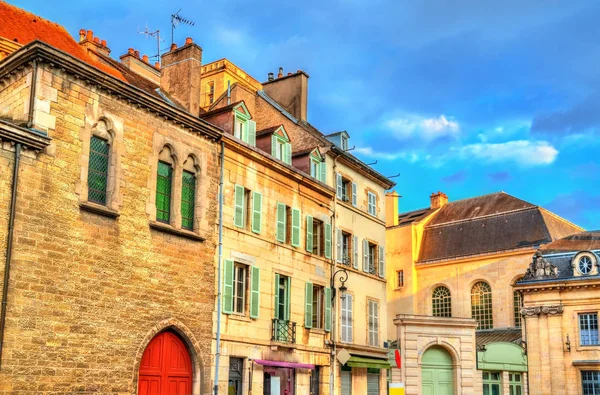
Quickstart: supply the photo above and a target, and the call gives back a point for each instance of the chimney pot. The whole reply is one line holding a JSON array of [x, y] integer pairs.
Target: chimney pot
[[157, 65], [103, 42], [188, 41], [438, 200], [145, 58], [81, 35], [136, 53], [130, 51], [289, 73], [96, 40], [280, 74], [271, 76], [173, 47], [89, 35]]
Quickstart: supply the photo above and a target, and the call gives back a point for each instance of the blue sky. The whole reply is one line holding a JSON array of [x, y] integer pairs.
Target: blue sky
[[467, 97]]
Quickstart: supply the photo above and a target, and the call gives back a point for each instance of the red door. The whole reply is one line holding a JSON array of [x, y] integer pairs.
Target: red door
[[166, 368]]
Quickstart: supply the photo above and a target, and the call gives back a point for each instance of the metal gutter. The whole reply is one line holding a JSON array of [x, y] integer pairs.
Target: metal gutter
[[220, 259]]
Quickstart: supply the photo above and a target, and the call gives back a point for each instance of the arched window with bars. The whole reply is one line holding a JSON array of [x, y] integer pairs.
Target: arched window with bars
[[441, 302], [481, 305]]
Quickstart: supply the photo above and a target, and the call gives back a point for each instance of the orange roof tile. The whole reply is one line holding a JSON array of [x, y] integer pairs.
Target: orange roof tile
[[24, 27]]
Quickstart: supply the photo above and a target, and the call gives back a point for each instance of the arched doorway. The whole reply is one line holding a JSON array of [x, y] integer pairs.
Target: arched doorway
[[166, 367], [436, 372]]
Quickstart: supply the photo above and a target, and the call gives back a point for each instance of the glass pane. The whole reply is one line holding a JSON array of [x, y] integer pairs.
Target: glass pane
[[98, 170], [486, 389], [163, 192], [187, 200], [495, 389]]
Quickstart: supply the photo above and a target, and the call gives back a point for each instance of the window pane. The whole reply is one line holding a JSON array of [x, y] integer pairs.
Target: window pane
[[163, 192], [441, 302], [98, 170], [588, 329], [481, 305], [590, 382], [188, 194], [518, 303]]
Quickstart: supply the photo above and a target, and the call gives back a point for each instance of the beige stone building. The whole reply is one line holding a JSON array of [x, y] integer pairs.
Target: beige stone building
[[450, 272], [560, 313]]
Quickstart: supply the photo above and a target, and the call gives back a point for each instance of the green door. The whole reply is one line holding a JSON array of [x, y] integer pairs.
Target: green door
[[436, 372]]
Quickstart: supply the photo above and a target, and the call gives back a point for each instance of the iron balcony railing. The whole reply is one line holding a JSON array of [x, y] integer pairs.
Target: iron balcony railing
[[283, 331]]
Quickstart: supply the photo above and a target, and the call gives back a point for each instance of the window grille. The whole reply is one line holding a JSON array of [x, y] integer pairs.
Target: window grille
[[400, 274], [442, 302], [590, 381], [163, 192], [588, 329], [481, 305], [98, 170], [188, 194]]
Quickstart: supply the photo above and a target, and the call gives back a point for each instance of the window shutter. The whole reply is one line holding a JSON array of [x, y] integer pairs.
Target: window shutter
[[354, 202], [355, 248], [350, 318], [256, 211], [327, 296], [255, 292], [296, 222], [308, 303], [273, 145], [309, 233], [288, 299], [339, 251], [228, 268], [365, 246], [328, 241], [281, 225], [338, 183], [251, 132], [288, 154], [276, 295], [381, 262], [238, 215], [323, 171]]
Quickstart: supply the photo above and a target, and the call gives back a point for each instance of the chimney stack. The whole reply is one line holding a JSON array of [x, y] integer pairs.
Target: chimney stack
[[391, 208], [180, 76], [280, 74], [271, 78], [290, 91], [141, 67], [89, 42], [438, 200]]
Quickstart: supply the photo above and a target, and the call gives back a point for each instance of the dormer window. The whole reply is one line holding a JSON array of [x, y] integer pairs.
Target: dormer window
[[584, 264], [244, 128], [318, 166], [281, 148], [344, 142]]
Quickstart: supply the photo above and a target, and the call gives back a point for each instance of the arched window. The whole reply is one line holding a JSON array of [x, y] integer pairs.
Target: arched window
[[481, 305], [99, 164], [188, 194], [164, 185], [442, 302]]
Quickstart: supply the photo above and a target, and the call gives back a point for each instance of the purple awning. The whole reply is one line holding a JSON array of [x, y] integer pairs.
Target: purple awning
[[280, 364]]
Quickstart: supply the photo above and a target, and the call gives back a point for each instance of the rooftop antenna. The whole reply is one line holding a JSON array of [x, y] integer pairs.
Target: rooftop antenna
[[156, 34], [176, 20]]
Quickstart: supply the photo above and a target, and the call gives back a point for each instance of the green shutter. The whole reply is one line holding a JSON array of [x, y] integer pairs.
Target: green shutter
[[188, 194], [381, 262], [288, 153], [323, 171], [251, 125], [288, 299], [328, 241], [327, 295], [164, 178], [296, 222], [339, 185], [276, 293], [228, 268], [254, 292], [309, 233], [354, 202], [281, 223], [256, 211], [240, 205], [308, 303], [98, 170], [273, 145]]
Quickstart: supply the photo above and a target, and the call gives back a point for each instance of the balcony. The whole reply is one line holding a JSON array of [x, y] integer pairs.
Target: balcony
[[283, 331], [345, 259]]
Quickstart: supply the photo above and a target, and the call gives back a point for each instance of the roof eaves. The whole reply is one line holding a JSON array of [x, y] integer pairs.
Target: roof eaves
[[389, 183]]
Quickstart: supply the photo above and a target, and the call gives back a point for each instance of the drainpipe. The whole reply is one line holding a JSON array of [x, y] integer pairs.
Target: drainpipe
[[218, 347], [334, 267]]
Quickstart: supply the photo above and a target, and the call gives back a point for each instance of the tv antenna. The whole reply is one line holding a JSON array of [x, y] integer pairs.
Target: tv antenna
[[156, 34], [176, 20]]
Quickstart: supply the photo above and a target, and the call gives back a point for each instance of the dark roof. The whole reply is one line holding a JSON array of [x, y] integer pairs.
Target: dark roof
[[219, 110], [303, 152], [488, 224], [584, 241], [508, 335], [270, 130], [413, 216]]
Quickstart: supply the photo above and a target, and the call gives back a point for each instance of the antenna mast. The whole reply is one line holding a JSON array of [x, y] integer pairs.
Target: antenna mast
[[156, 34], [176, 20]]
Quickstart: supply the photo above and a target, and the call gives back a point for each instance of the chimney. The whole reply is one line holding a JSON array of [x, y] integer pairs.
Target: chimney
[[438, 200], [290, 91], [89, 42], [181, 75], [141, 67], [391, 208], [271, 77]]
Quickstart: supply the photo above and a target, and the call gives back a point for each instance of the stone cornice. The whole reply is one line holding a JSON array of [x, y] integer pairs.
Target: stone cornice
[[539, 310], [558, 284], [29, 138], [93, 76], [425, 320]]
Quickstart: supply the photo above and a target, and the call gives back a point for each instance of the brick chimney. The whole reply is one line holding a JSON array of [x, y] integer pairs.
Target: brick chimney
[[142, 66], [290, 91], [391, 208], [438, 200], [180, 76], [88, 41]]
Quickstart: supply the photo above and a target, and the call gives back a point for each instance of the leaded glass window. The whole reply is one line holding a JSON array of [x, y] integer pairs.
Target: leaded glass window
[[590, 381], [588, 329], [442, 302], [517, 304], [164, 182], [98, 170], [188, 194], [481, 305]]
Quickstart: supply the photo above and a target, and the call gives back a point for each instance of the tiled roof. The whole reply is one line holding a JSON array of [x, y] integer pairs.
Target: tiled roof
[[508, 335], [584, 241], [24, 27], [219, 110], [414, 216], [270, 130]]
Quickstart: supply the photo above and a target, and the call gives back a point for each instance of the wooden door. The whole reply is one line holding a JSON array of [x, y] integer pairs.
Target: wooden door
[[166, 367], [436, 372]]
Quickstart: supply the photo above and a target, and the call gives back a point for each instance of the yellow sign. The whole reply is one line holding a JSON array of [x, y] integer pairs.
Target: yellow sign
[[396, 389]]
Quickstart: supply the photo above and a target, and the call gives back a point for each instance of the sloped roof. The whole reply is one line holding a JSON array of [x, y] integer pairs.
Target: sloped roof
[[508, 335], [24, 27], [584, 241], [414, 216], [488, 224]]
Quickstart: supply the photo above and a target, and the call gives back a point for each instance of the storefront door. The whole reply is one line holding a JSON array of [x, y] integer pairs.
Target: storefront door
[[278, 381]]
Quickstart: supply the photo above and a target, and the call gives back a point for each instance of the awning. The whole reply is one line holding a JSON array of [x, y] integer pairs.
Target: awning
[[364, 362], [281, 364]]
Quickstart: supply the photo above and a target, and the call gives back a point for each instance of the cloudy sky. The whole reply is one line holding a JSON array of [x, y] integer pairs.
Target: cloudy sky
[[468, 97]]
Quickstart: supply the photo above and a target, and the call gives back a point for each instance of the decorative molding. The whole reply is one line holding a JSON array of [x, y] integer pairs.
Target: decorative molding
[[539, 310], [540, 268], [29, 138]]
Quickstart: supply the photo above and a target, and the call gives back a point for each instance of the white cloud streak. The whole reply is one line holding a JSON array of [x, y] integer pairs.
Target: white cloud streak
[[390, 156], [522, 152], [425, 128]]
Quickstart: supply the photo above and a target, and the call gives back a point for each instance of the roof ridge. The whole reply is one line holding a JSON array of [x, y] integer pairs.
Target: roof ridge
[[458, 221], [562, 219], [480, 196]]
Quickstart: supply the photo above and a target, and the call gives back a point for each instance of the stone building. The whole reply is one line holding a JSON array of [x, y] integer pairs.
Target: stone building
[[107, 217], [457, 322], [560, 313]]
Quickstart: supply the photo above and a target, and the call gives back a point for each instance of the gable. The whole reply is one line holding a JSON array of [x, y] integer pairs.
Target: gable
[[242, 110], [316, 155]]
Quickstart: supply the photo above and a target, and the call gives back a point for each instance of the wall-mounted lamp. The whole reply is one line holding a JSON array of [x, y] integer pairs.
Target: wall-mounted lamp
[[568, 344], [343, 279], [524, 347]]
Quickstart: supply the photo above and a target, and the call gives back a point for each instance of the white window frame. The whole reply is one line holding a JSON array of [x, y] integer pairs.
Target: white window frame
[[236, 281], [347, 319], [372, 201], [318, 307], [241, 129], [588, 338]]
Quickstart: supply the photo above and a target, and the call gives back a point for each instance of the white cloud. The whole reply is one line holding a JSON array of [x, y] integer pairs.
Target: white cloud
[[523, 152], [411, 157], [425, 128]]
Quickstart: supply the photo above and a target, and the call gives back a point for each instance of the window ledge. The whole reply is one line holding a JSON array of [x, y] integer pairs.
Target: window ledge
[[318, 331], [159, 226], [238, 317], [98, 209]]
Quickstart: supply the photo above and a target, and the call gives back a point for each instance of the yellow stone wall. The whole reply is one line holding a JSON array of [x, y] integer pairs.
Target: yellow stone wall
[[219, 73]]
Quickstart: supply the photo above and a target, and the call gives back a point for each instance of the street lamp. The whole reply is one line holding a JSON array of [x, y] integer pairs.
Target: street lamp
[[343, 279]]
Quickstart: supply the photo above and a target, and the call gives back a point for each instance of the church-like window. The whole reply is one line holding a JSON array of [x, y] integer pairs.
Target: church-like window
[[442, 302], [481, 305]]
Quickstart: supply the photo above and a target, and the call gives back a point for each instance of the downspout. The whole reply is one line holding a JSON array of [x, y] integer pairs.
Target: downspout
[[334, 267], [218, 346], [11, 218]]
